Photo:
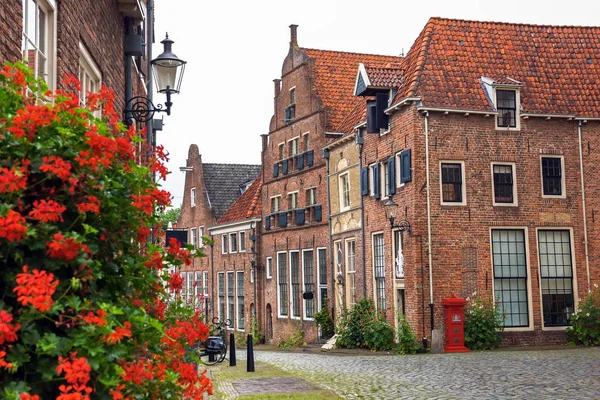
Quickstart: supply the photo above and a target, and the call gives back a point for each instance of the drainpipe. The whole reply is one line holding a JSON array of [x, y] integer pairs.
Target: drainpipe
[[128, 74], [426, 115], [150, 137], [362, 220], [585, 236], [332, 284], [212, 278]]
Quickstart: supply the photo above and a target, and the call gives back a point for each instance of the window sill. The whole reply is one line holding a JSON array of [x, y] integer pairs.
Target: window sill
[[554, 328], [505, 204], [523, 329], [561, 197], [446, 204]]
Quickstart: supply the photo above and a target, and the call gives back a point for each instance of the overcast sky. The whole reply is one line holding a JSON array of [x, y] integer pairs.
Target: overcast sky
[[236, 48]]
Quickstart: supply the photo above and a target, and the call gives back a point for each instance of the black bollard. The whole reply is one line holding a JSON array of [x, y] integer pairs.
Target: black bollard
[[250, 356], [232, 362]]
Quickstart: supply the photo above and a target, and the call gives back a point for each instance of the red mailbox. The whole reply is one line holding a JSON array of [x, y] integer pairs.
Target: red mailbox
[[454, 321]]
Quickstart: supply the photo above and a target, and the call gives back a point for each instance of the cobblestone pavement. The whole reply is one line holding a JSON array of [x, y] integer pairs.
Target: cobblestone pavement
[[537, 374]]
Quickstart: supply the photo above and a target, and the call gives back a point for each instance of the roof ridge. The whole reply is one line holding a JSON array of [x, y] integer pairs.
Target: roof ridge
[[351, 52], [511, 23]]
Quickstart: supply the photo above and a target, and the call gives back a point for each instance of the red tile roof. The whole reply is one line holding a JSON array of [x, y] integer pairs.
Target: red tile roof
[[387, 76], [357, 115], [335, 75], [249, 204], [558, 66]]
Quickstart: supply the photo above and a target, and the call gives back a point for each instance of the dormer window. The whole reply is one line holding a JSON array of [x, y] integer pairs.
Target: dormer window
[[506, 105]]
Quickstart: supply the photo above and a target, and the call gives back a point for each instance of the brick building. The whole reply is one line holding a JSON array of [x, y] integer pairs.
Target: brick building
[[485, 143], [210, 194]]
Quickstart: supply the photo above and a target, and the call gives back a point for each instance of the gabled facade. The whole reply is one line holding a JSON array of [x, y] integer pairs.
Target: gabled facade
[[499, 121]]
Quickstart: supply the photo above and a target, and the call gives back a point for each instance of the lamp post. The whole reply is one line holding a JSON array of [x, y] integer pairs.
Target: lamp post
[[391, 214], [167, 70]]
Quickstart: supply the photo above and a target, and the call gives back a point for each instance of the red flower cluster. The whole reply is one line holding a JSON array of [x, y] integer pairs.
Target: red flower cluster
[[29, 119], [96, 319], [8, 331], [12, 226], [175, 282], [77, 374], [93, 205], [119, 333], [65, 248], [14, 179], [191, 331], [3, 363], [27, 396], [14, 75], [57, 166], [155, 261], [47, 211], [36, 288]]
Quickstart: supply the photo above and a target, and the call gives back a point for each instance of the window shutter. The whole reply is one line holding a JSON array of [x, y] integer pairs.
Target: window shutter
[[364, 181], [300, 160], [376, 181], [300, 216], [268, 223], [276, 170], [283, 219], [406, 172], [318, 213], [391, 176], [288, 113], [284, 167], [372, 117], [381, 100], [310, 158]]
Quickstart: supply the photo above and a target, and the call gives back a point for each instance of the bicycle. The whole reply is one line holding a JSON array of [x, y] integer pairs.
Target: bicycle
[[215, 347]]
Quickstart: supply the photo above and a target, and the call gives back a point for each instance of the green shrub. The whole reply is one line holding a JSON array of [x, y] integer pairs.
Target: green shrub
[[483, 321], [406, 338], [585, 323], [257, 335], [296, 339], [365, 327], [324, 322]]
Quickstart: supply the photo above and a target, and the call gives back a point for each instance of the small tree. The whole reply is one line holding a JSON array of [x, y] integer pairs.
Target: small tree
[[171, 215], [585, 323]]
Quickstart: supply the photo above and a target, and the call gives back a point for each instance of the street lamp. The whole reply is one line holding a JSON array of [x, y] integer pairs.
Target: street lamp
[[168, 71], [391, 214]]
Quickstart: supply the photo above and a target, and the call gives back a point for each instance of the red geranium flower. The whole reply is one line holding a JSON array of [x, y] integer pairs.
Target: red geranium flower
[[47, 211], [36, 288], [12, 226], [8, 331]]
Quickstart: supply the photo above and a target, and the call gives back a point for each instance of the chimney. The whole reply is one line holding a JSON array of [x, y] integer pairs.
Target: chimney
[[277, 84], [265, 141], [293, 35]]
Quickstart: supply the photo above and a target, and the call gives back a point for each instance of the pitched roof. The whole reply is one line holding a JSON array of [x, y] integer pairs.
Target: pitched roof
[[386, 76], [357, 115], [224, 183], [558, 66], [249, 205], [335, 74]]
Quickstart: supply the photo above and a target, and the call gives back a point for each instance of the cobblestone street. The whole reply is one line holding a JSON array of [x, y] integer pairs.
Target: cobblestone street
[[539, 374]]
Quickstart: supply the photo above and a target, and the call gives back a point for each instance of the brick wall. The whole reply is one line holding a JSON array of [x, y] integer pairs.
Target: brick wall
[[11, 29]]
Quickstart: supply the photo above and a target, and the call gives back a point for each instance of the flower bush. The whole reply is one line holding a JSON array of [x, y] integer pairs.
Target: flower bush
[[83, 312], [585, 323], [364, 327], [483, 322]]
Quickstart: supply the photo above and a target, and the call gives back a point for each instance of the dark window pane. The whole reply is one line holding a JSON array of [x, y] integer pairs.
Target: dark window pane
[[552, 176], [506, 104], [503, 184], [452, 183]]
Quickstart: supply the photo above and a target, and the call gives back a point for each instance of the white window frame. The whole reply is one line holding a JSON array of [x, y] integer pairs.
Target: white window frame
[[313, 199], [221, 278], [344, 195], [50, 38], [237, 304], [294, 195], [197, 289], [293, 144], [463, 186], [200, 236], [528, 283], [269, 267], [183, 292], [292, 309], [398, 166], [205, 283], [251, 275], [320, 284], [224, 243], [383, 185], [279, 315], [242, 242], [230, 317], [273, 210], [517, 126], [306, 140], [374, 275], [193, 197], [303, 285], [515, 202], [190, 287], [338, 258], [347, 243], [563, 195], [232, 248], [292, 90], [281, 154], [372, 180], [87, 66], [193, 237]]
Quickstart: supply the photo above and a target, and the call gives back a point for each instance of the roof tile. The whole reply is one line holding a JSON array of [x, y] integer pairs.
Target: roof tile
[[249, 205]]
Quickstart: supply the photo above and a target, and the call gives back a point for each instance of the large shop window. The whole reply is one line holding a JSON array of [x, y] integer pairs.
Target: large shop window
[[283, 285], [556, 276], [510, 276], [379, 271], [295, 279], [309, 283]]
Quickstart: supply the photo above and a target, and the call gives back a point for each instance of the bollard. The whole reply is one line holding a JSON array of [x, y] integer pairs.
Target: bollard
[[250, 356], [232, 362]]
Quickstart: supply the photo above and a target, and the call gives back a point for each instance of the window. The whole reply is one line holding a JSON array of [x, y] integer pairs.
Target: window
[[306, 140], [311, 196], [293, 95], [399, 170], [198, 289], [345, 191], [269, 268], [506, 104], [339, 256], [183, 286], [552, 177], [241, 323], [190, 288], [205, 282], [350, 273], [292, 200], [510, 275], [295, 281], [242, 242], [221, 284], [504, 187], [309, 283], [224, 244], [89, 74], [200, 236], [322, 270], [556, 273], [251, 275], [379, 271], [38, 44], [193, 237], [281, 150], [233, 243], [452, 182], [230, 297], [384, 179], [275, 204], [293, 147], [193, 197], [282, 282], [399, 255]]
